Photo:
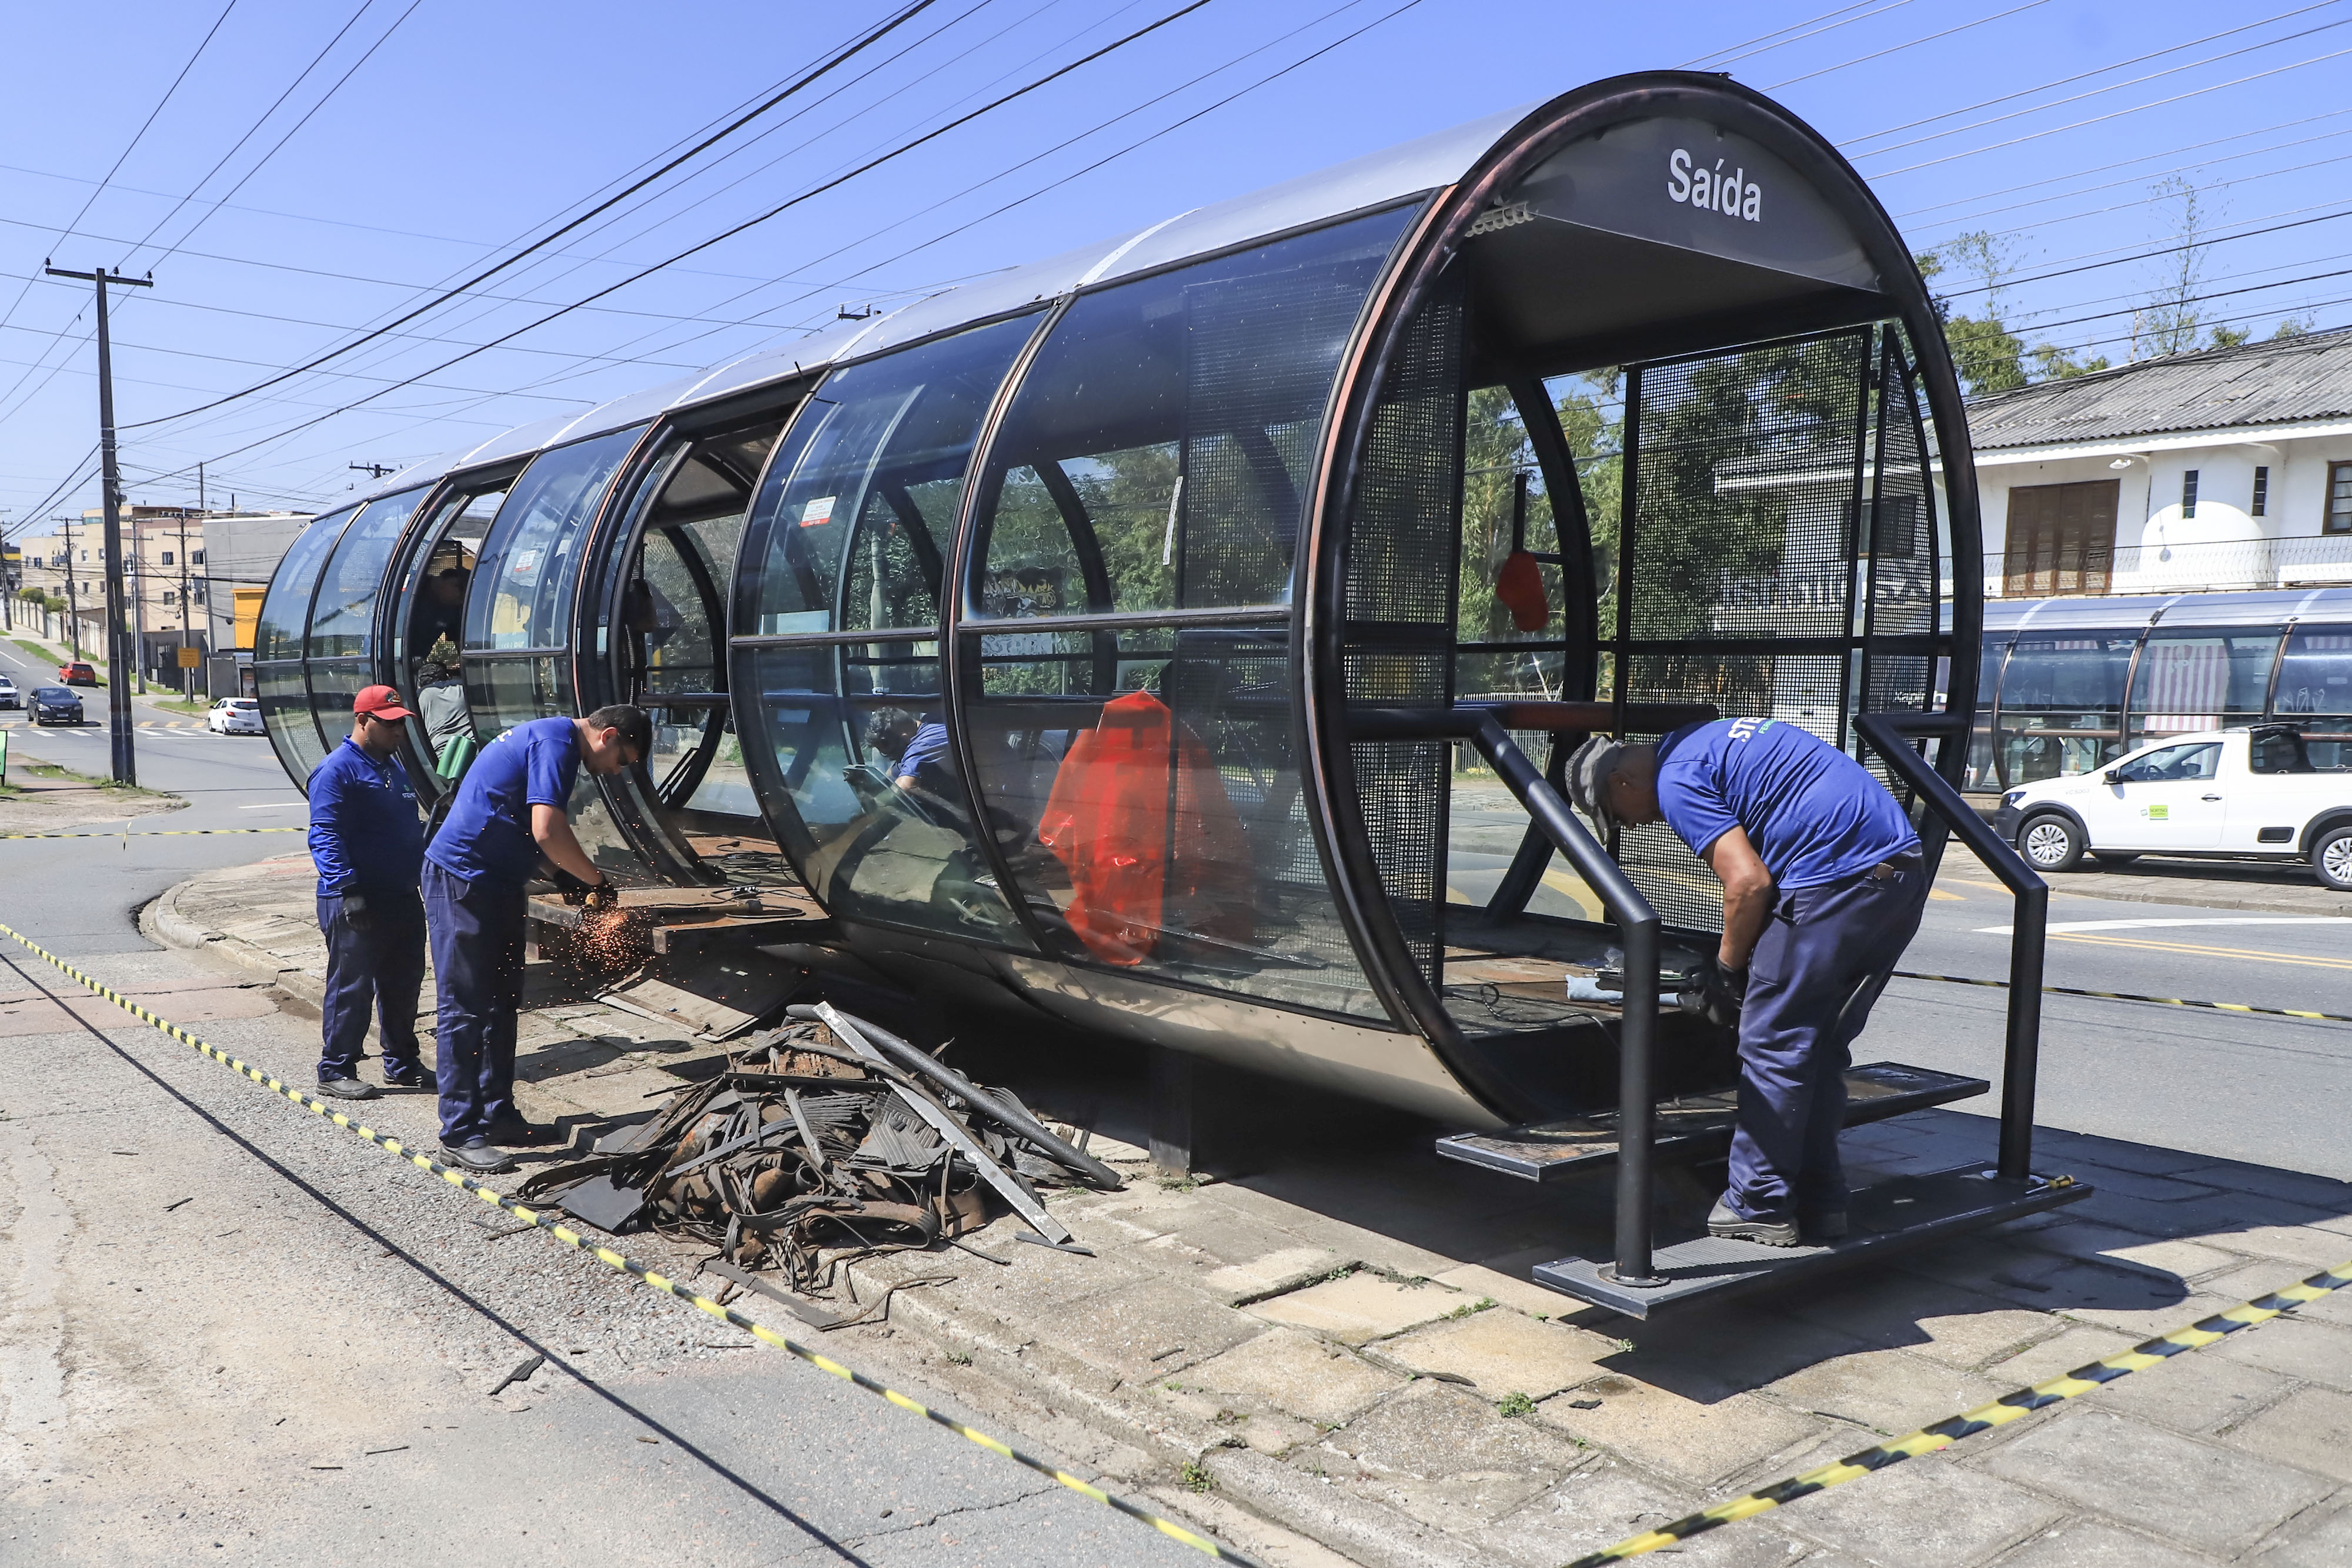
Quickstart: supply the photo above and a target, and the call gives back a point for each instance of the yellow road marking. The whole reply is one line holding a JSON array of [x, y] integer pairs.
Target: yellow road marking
[[2199, 950], [1947, 897], [1574, 890]]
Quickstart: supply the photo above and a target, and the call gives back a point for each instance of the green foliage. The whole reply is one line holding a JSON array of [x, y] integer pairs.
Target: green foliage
[[2293, 327], [1196, 1476], [2054, 363], [1515, 1406], [2229, 337], [1469, 1307], [1987, 355]]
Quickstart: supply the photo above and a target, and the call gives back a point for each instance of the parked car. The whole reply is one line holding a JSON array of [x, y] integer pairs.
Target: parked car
[[234, 716], [78, 673], [55, 704], [2237, 794], [8, 694]]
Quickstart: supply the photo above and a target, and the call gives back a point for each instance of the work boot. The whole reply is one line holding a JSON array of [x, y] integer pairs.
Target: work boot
[[1733, 1226], [513, 1132], [476, 1157], [347, 1089], [407, 1075], [1828, 1225]]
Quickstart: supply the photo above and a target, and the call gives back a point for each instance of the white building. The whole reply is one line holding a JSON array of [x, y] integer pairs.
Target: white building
[[2227, 469]]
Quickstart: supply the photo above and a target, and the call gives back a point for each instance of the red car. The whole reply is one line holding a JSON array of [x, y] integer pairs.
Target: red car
[[78, 673]]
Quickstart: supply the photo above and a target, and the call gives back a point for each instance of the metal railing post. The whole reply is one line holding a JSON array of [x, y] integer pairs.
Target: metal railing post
[[2021, 1064]]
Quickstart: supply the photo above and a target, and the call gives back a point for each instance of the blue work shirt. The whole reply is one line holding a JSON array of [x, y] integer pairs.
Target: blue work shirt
[[365, 836], [1813, 814], [929, 745], [487, 835]]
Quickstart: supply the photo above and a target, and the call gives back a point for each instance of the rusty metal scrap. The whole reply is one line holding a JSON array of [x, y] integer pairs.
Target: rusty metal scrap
[[806, 1151]]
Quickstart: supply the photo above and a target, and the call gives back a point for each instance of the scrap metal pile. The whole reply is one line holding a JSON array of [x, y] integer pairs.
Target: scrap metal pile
[[827, 1137]]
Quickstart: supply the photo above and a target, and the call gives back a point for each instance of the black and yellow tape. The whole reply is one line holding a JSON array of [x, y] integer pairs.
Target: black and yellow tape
[[1984, 1417], [156, 833], [638, 1271], [2135, 996]]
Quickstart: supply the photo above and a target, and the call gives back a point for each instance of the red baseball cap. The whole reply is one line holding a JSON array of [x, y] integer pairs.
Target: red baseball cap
[[380, 702]]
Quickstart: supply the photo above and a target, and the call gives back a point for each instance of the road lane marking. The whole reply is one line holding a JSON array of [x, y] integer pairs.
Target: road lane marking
[[2195, 950], [2068, 928]]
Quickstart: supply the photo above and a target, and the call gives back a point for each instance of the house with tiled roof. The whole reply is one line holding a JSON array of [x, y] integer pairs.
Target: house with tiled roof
[[2229, 470]]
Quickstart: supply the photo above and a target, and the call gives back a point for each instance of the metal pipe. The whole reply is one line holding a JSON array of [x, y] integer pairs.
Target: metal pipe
[[2023, 1059]]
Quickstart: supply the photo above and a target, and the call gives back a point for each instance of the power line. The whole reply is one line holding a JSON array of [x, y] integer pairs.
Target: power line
[[1727, 58], [865, 41], [1913, 44], [2086, 75], [2147, 254], [897, 151]]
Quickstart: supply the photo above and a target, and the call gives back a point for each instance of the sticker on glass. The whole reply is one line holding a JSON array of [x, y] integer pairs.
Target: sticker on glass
[[817, 511]]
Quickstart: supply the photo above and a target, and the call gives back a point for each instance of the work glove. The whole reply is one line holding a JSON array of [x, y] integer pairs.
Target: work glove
[[603, 895], [1717, 993], [356, 912], [574, 891]]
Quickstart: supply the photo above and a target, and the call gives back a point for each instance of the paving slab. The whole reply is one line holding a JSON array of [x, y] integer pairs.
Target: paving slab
[[2320, 1539], [1502, 1351], [1362, 1307], [1696, 1441], [1149, 1329], [2316, 1352], [1435, 1448], [1300, 1372], [1889, 1392], [2311, 1429], [2212, 1497], [2084, 1543], [1926, 1511], [1603, 1503]]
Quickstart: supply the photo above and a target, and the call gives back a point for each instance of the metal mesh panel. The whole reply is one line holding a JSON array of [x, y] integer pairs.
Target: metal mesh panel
[[1746, 490], [1902, 534], [1400, 606], [1242, 474]]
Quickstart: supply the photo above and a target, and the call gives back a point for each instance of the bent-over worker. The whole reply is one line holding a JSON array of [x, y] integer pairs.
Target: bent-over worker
[[509, 812], [368, 845], [1824, 883]]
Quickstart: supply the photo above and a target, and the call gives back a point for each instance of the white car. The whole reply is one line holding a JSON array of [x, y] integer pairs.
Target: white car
[[2251, 794], [234, 716], [9, 696]]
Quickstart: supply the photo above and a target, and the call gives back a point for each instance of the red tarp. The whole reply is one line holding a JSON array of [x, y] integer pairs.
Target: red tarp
[[1140, 817]]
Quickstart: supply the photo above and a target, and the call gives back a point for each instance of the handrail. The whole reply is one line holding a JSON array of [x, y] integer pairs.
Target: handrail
[[1637, 925], [2021, 1065]]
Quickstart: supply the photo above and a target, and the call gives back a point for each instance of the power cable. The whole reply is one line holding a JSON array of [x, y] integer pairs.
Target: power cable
[[1913, 44], [1723, 60], [2117, 114], [2117, 86], [2145, 255], [260, 163], [897, 151], [2086, 75], [840, 57], [1695, 63]]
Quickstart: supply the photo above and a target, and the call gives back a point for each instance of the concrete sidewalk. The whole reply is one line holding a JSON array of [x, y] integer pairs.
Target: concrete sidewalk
[[1337, 1332]]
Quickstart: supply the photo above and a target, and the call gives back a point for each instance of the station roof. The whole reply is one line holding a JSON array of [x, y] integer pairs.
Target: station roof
[[2278, 381]]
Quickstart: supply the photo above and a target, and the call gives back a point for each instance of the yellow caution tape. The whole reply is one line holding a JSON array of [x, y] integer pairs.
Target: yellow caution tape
[[156, 833], [1984, 1417], [2133, 997], [639, 1272]]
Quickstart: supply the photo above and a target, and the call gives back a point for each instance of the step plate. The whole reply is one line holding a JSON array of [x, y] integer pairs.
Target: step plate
[[1886, 1218], [1694, 1127]]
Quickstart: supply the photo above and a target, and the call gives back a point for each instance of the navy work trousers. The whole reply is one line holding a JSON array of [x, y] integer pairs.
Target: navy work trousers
[[374, 971], [1815, 974], [478, 932]]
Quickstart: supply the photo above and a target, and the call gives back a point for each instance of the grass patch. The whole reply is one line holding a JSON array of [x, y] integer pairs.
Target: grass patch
[[1468, 1308], [1196, 1476], [49, 656], [1515, 1406]]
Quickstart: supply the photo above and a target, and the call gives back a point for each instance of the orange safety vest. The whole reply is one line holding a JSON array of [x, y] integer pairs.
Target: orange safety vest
[[1140, 817]]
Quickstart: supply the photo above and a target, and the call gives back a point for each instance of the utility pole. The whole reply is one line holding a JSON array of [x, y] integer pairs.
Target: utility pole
[[188, 671], [121, 658], [373, 470], [8, 600], [73, 596]]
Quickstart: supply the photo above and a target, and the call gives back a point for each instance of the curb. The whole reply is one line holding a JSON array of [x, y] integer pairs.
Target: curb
[[295, 990], [1367, 1533]]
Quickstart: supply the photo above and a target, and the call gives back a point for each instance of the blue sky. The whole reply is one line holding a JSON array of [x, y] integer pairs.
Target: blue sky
[[428, 138]]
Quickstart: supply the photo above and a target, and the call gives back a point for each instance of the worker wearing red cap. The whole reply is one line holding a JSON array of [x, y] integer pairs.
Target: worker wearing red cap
[[368, 844]]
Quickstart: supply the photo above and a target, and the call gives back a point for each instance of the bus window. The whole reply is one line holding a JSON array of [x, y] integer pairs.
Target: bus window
[[2062, 700], [1980, 774], [2193, 678], [2314, 693]]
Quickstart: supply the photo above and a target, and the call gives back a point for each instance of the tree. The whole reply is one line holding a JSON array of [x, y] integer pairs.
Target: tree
[[2052, 363], [1988, 356], [2229, 337], [2167, 321], [2293, 327]]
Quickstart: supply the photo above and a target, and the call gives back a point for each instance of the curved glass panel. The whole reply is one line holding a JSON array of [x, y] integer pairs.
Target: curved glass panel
[[2061, 703], [854, 522], [846, 748], [2189, 679], [286, 608], [2315, 691], [286, 714], [342, 619], [433, 591], [333, 683], [521, 596], [1154, 457]]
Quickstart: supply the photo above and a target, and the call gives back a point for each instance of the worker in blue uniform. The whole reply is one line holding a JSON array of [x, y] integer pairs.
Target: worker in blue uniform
[[368, 843], [1824, 883], [510, 814]]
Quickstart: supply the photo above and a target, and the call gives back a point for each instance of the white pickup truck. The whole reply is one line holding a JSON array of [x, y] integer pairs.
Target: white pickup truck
[[2249, 794]]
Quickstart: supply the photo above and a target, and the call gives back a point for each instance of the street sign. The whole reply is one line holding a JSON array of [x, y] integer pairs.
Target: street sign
[[189, 658]]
